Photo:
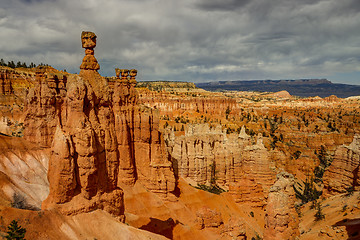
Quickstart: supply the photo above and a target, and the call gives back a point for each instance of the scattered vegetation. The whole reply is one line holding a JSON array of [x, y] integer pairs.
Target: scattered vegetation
[[349, 191], [257, 237], [15, 232], [296, 154], [19, 64], [298, 210], [344, 208], [182, 120], [212, 188], [325, 161], [319, 215], [20, 202], [160, 85], [227, 112], [310, 193]]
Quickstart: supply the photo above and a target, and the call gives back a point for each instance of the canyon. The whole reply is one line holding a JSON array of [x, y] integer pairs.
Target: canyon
[[93, 157]]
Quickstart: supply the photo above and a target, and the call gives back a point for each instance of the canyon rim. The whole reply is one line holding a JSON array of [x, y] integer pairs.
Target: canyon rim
[[90, 157]]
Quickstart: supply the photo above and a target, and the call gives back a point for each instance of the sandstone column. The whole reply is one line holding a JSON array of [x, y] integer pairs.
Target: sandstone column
[[124, 124], [84, 161], [281, 219]]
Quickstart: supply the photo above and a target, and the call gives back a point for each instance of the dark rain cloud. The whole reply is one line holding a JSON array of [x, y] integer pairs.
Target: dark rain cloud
[[193, 40], [221, 5]]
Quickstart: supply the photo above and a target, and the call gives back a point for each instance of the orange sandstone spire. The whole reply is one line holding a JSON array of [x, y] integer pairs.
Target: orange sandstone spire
[[88, 41]]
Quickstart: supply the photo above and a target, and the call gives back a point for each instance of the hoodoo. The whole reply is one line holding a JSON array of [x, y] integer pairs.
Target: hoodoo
[[100, 138]]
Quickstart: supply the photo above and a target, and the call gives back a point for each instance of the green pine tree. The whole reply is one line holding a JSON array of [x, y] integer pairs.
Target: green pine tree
[[15, 232]]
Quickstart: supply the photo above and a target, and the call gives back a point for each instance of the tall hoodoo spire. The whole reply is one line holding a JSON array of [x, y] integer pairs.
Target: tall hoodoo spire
[[88, 41]]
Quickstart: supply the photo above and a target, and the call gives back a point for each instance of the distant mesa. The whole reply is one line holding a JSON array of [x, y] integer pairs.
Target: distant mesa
[[302, 87]]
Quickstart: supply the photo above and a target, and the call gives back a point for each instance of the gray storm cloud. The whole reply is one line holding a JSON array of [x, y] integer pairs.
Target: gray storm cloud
[[191, 40]]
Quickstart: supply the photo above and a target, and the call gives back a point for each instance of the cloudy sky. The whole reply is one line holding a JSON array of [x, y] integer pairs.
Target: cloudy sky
[[191, 40]]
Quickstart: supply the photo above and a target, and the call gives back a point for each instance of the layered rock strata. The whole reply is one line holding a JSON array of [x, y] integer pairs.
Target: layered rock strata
[[5, 81], [15, 81], [281, 219], [343, 175]]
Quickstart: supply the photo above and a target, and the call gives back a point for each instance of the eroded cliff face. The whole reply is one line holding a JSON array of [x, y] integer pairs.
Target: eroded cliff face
[[170, 103], [43, 107], [343, 174], [142, 153], [281, 219], [15, 82], [234, 161], [5, 81], [100, 138]]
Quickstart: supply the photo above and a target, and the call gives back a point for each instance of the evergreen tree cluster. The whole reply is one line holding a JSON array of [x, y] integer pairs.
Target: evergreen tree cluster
[[309, 193], [12, 64], [15, 232]]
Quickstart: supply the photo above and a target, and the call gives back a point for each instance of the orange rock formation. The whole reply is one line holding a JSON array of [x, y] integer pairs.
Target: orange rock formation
[[205, 156], [281, 219], [98, 141], [5, 81], [343, 174], [44, 105]]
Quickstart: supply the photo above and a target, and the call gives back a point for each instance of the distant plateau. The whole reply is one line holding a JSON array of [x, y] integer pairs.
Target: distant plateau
[[301, 87]]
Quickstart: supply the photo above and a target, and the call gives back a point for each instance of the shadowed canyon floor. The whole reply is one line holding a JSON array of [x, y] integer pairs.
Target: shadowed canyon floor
[[88, 157]]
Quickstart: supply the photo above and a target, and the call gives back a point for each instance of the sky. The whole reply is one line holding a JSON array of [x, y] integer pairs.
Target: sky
[[190, 40]]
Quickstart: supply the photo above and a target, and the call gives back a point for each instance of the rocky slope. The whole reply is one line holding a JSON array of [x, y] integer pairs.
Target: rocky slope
[[23, 170], [53, 225]]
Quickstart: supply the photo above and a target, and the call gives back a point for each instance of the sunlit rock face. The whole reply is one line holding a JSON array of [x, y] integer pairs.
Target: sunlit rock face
[[343, 175], [207, 155], [281, 219], [100, 138]]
